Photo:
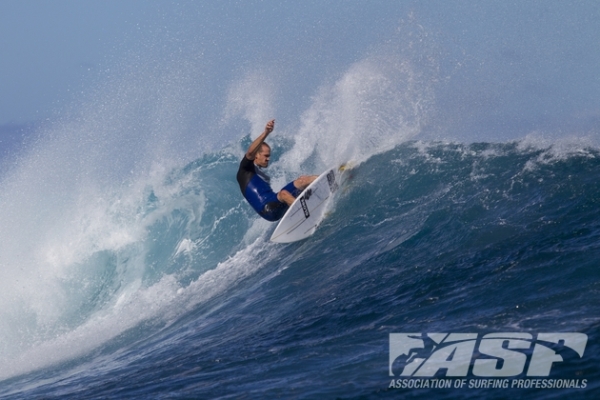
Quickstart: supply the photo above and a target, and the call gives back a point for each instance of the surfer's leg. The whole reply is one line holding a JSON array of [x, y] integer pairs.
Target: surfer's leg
[[293, 189], [285, 197], [305, 180]]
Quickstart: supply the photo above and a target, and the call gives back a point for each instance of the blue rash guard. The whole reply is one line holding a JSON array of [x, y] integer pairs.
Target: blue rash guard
[[257, 191]]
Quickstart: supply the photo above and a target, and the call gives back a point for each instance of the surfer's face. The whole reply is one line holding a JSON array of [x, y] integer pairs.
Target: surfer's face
[[262, 157]]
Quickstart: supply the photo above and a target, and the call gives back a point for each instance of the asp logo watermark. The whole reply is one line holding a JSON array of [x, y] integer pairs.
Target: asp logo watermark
[[491, 355]]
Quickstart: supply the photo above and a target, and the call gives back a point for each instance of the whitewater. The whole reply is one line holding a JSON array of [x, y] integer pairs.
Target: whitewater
[[131, 266]]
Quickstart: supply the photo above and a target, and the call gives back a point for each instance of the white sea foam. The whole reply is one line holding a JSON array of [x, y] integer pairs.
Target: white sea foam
[[161, 303]]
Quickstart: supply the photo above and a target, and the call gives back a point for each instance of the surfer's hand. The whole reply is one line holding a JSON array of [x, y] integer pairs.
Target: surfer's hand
[[270, 126]]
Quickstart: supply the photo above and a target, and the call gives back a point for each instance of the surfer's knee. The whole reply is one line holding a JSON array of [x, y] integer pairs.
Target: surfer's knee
[[285, 197], [303, 181]]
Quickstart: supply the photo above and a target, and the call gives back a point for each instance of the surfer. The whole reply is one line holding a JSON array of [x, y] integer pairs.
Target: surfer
[[255, 184]]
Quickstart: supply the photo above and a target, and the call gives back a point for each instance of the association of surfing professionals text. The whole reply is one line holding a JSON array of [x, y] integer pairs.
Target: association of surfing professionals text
[[504, 360]]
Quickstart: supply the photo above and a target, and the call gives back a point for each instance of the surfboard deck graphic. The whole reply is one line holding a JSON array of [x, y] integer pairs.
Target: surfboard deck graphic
[[308, 210]]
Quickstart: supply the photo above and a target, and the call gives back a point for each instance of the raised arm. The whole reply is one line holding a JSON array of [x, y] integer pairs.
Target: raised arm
[[255, 146]]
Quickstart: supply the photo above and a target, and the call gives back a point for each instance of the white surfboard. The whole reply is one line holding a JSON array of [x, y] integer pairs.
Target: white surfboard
[[308, 210]]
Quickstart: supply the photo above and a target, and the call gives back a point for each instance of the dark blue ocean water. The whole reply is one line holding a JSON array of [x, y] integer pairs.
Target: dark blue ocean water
[[425, 237]]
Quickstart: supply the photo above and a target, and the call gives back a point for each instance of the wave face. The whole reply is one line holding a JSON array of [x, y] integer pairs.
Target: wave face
[[425, 237]]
